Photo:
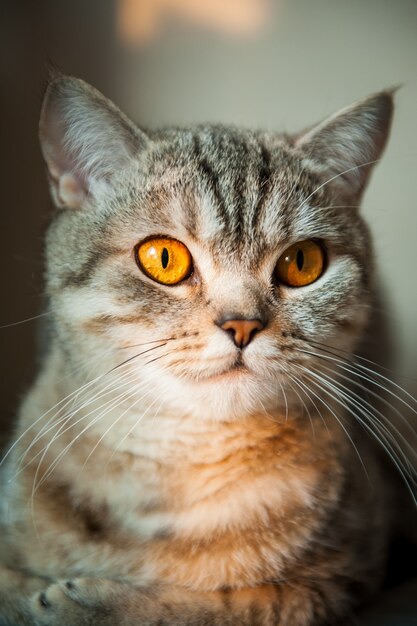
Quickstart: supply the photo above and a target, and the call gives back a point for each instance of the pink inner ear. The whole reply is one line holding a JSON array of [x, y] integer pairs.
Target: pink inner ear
[[68, 181], [85, 141], [70, 192]]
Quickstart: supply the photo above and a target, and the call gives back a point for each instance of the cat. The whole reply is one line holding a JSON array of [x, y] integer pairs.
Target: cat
[[195, 449]]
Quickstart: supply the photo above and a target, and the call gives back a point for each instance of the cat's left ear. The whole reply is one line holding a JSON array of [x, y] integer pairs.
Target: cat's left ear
[[348, 144], [85, 141]]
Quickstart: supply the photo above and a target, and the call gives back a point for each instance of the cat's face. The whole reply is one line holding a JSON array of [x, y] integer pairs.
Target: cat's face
[[229, 332]]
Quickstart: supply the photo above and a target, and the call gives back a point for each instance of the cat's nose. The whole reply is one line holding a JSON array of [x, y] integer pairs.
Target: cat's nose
[[242, 331]]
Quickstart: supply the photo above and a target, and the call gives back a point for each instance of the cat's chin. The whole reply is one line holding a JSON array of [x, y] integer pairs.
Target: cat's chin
[[235, 393]]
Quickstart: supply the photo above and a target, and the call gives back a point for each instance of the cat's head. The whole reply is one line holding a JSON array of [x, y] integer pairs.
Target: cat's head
[[215, 261]]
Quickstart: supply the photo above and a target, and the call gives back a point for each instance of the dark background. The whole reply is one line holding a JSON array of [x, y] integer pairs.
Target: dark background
[[80, 38]]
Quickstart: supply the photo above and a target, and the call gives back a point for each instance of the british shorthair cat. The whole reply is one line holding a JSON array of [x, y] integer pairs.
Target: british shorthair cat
[[206, 442]]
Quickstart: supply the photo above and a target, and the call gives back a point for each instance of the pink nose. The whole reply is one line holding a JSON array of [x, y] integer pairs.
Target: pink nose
[[242, 331]]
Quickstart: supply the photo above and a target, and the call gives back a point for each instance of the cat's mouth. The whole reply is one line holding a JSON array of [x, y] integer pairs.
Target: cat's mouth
[[238, 368]]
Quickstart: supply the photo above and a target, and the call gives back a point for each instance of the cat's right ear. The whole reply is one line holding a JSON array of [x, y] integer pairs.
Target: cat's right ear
[[85, 141], [348, 144]]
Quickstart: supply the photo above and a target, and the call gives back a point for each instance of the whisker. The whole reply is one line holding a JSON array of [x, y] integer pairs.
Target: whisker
[[33, 424], [370, 414], [336, 352], [28, 319], [60, 432], [267, 415], [378, 398], [329, 180], [379, 436], [339, 421], [67, 400], [129, 408], [63, 420], [160, 357], [53, 422], [135, 356], [134, 425], [358, 370], [369, 391], [131, 430], [285, 400], [64, 428], [59, 457], [37, 484], [303, 403], [145, 343]]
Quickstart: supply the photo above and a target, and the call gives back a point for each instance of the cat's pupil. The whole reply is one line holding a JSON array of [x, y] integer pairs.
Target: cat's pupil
[[300, 259], [165, 258]]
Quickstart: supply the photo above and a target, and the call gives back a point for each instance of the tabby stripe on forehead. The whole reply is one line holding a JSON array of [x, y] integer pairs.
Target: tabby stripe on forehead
[[264, 186], [191, 211], [240, 185], [212, 179]]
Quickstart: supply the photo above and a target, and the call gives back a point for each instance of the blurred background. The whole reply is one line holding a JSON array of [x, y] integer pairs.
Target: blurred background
[[274, 64]]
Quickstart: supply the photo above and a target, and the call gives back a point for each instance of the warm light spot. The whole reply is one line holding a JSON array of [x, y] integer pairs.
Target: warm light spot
[[140, 20]]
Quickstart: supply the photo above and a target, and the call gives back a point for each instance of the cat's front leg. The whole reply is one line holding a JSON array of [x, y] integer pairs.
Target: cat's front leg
[[90, 602], [16, 589]]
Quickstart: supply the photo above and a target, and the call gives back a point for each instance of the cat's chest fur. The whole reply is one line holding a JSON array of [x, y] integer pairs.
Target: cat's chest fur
[[219, 501], [184, 477]]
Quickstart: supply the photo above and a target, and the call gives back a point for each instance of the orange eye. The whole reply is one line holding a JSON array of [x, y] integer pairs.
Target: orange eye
[[167, 261], [301, 264]]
